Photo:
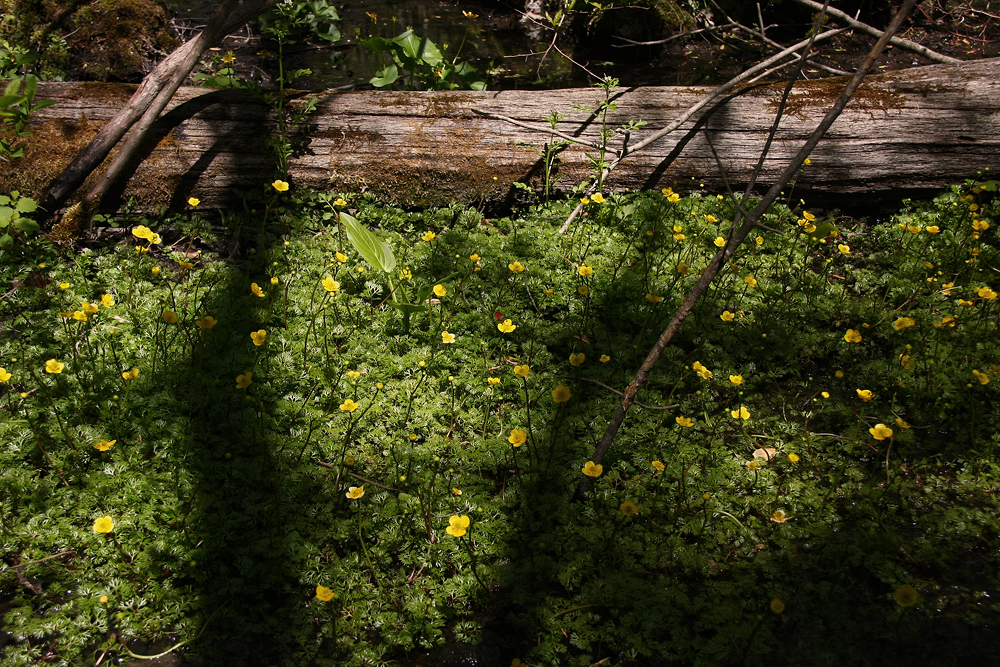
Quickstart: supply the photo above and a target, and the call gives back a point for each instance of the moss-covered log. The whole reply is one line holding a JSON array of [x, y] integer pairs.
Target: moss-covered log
[[904, 133]]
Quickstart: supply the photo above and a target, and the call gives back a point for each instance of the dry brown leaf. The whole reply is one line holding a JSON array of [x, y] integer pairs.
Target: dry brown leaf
[[766, 453]]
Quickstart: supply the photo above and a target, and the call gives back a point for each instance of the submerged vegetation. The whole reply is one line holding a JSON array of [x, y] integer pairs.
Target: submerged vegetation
[[248, 441]]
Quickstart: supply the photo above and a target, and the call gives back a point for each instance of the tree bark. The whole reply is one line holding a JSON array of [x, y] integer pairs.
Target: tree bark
[[906, 133]]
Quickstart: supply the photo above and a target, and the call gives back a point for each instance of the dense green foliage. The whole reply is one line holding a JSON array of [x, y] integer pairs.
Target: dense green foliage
[[813, 481]]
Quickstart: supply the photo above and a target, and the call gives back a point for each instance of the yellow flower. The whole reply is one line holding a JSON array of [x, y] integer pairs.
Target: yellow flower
[[825, 394], [348, 406], [130, 375], [585, 201], [852, 336], [340, 257], [980, 225], [206, 322], [865, 395], [447, 337], [493, 381], [628, 508], [324, 594], [903, 323], [698, 368], [457, 526], [104, 525], [516, 266], [440, 290], [901, 423], [577, 359], [751, 281], [475, 258], [880, 432], [193, 201], [736, 379], [142, 232], [777, 606], [742, 413], [719, 241], [506, 326], [808, 216], [683, 269], [429, 236], [256, 290], [598, 198], [258, 337], [330, 285], [592, 469], [906, 596], [605, 358], [684, 421], [583, 290], [560, 394], [914, 229], [518, 437], [779, 516], [727, 316], [982, 377], [141, 251], [673, 198], [54, 367], [103, 599], [89, 308], [844, 248], [104, 445], [405, 274], [355, 492], [793, 457], [79, 315], [339, 202], [839, 375], [4, 375], [584, 270], [280, 186], [522, 371], [457, 492], [652, 298], [753, 464], [659, 466], [244, 381], [170, 317], [810, 228], [986, 293], [64, 285], [966, 304], [354, 375], [679, 237], [932, 229]]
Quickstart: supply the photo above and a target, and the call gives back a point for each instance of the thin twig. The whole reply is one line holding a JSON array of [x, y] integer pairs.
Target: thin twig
[[359, 477], [615, 391], [630, 42], [726, 253], [546, 130], [40, 560]]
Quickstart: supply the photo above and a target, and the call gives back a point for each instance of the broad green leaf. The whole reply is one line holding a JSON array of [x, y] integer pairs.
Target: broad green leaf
[[26, 205], [27, 225], [420, 49], [386, 77], [375, 251]]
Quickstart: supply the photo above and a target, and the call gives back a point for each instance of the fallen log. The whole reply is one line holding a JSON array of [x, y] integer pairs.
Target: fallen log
[[906, 133]]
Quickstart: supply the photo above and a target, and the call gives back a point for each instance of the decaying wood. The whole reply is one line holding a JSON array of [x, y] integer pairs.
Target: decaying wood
[[907, 133]]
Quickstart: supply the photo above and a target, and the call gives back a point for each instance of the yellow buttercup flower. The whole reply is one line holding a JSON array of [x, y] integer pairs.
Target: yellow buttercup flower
[[852, 336], [844, 248], [518, 437], [742, 413], [54, 367], [493, 381], [628, 508], [736, 379], [901, 423], [903, 323], [516, 266], [659, 466], [330, 285], [980, 225], [982, 377], [89, 308], [652, 298], [79, 315], [777, 606], [686, 422], [583, 290], [793, 457], [506, 326], [906, 596], [128, 376], [598, 198], [324, 594], [280, 186], [701, 370], [584, 270], [4, 375], [457, 526], [256, 290], [348, 406], [750, 281], [591, 469], [104, 525], [244, 381], [727, 316], [206, 322], [778, 517], [193, 201], [339, 202], [447, 337], [986, 293], [932, 229], [142, 232], [440, 290], [355, 492], [64, 285], [429, 236], [585, 201], [170, 317], [719, 241], [107, 300], [522, 371], [605, 358], [577, 359], [475, 258], [865, 395], [258, 337], [880, 432], [104, 445], [560, 394], [354, 375], [340, 257]]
